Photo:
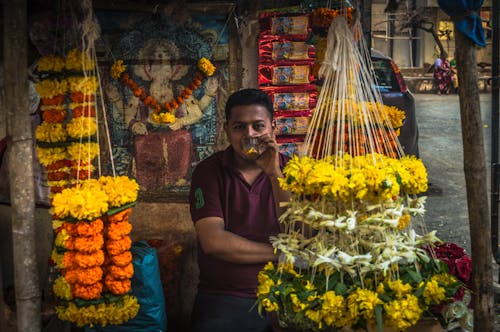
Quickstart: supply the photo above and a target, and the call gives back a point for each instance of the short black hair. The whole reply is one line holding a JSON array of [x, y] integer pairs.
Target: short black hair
[[249, 97]]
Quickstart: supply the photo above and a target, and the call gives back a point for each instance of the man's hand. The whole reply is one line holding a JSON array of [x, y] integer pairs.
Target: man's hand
[[269, 161]]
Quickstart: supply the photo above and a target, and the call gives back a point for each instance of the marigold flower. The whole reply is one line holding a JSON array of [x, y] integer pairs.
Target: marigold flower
[[81, 127], [86, 85], [121, 190], [78, 61], [122, 259], [87, 292], [79, 151], [88, 244], [117, 69], [89, 260], [54, 115], [121, 272], [51, 132], [51, 88], [120, 216], [206, 67], [83, 276], [79, 97], [81, 111], [50, 63], [102, 314], [62, 289], [117, 286], [57, 176], [116, 247], [84, 228], [116, 231], [55, 100], [83, 202]]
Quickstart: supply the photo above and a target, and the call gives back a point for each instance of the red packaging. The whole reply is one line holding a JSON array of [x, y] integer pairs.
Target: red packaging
[[294, 100], [276, 49], [297, 72], [290, 26]]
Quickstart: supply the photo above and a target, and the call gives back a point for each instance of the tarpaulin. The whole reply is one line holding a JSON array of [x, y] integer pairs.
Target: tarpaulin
[[465, 15]]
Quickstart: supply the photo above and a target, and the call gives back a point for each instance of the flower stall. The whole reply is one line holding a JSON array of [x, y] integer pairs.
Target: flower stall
[[354, 253]]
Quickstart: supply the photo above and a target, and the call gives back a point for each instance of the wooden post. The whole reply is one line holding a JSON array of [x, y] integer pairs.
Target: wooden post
[[475, 180], [20, 151]]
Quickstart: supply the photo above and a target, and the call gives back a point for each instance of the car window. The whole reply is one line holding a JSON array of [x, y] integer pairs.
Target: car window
[[385, 79]]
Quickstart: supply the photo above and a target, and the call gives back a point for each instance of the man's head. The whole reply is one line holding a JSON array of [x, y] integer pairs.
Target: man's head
[[249, 97], [249, 113]]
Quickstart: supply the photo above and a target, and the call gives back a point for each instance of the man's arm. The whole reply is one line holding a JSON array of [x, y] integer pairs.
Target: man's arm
[[216, 241]]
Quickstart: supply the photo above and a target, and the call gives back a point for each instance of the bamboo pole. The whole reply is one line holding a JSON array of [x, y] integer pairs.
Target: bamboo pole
[[475, 180], [20, 151]]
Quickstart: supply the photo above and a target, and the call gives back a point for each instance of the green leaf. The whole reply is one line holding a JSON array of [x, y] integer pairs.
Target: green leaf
[[385, 297], [415, 276], [120, 208], [378, 315], [340, 289], [419, 291]]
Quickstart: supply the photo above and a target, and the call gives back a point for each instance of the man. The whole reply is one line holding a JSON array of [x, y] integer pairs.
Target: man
[[234, 202]]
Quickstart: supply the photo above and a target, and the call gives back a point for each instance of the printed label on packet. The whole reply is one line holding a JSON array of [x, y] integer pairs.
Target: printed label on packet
[[290, 75], [292, 126], [290, 51], [291, 149], [291, 101], [295, 25]]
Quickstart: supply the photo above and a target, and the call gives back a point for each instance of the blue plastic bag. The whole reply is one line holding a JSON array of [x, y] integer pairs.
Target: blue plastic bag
[[147, 287]]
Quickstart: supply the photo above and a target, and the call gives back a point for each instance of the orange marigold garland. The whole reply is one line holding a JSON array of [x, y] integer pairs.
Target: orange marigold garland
[[163, 111], [79, 203]]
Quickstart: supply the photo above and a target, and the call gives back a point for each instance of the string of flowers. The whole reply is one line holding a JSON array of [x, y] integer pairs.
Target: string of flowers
[[93, 287], [163, 111], [51, 134], [92, 233], [359, 262]]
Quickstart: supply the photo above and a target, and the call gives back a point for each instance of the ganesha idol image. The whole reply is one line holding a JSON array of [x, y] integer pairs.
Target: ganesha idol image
[[162, 153]]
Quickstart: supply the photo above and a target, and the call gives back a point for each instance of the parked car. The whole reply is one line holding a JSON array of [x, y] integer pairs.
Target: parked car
[[392, 87]]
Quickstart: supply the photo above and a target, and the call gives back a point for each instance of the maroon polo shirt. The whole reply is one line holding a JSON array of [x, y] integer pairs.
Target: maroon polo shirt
[[219, 190]]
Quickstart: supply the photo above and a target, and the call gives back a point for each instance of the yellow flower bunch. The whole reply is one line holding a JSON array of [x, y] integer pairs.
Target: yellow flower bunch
[[164, 117], [48, 156], [50, 63], [395, 115], [413, 175], [433, 293], [206, 67], [51, 132], [86, 85], [83, 202], [358, 178], [81, 127], [78, 61], [102, 314], [402, 313], [117, 69], [50, 88], [83, 151], [120, 190], [362, 303], [62, 289]]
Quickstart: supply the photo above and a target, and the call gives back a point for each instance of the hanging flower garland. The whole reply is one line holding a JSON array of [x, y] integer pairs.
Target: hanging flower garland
[[51, 134], [163, 111], [91, 249]]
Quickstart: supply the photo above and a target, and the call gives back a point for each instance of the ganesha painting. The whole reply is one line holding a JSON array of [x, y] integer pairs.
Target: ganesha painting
[[163, 63]]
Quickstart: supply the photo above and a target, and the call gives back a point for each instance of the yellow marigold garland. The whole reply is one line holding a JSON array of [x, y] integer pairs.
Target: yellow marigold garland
[[81, 127], [101, 314], [51, 63], [51, 132]]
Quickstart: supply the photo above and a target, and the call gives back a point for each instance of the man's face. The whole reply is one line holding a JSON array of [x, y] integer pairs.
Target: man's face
[[247, 121]]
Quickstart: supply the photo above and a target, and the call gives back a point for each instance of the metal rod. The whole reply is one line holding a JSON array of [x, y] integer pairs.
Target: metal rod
[[495, 170]]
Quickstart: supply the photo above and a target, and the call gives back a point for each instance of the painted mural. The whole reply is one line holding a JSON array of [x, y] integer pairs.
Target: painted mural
[[161, 55]]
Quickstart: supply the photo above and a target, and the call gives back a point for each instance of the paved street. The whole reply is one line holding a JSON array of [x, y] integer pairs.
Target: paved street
[[441, 150]]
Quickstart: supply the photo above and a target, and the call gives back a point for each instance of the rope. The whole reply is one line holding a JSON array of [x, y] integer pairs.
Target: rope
[[349, 116]]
